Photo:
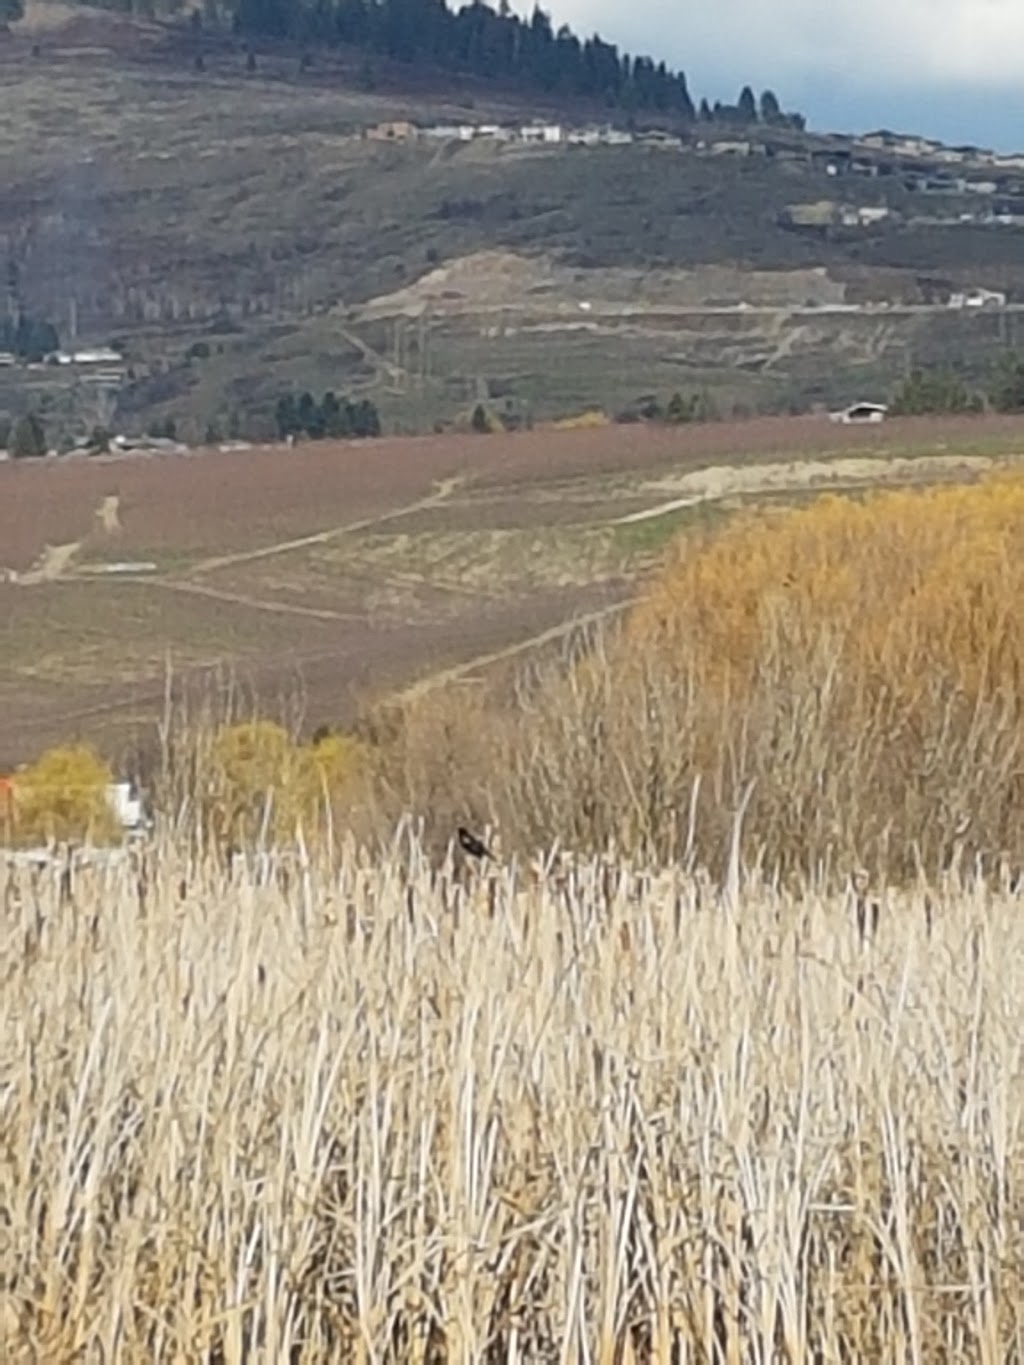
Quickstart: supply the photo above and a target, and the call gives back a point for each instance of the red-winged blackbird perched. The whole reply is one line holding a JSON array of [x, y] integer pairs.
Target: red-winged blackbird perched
[[472, 845]]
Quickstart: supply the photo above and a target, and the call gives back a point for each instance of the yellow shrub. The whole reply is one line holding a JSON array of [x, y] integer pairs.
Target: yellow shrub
[[863, 660], [582, 421], [62, 796], [262, 783], [906, 583]]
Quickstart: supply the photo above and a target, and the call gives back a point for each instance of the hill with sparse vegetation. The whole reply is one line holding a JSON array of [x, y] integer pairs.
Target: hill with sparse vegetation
[[204, 194]]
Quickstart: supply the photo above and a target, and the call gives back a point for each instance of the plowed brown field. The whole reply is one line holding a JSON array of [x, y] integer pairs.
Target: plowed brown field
[[344, 569], [218, 502]]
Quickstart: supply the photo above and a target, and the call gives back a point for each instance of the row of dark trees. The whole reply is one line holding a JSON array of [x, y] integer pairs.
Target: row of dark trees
[[679, 410], [25, 438], [494, 44], [331, 417], [29, 338], [926, 392]]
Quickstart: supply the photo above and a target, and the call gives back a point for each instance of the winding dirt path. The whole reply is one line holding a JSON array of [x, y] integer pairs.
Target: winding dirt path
[[442, 493]]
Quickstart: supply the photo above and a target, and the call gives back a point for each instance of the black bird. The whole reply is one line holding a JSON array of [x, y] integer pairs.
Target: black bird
[[472, 845]]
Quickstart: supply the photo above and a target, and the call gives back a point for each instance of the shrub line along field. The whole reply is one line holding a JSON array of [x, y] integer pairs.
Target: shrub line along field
[[344, 570]]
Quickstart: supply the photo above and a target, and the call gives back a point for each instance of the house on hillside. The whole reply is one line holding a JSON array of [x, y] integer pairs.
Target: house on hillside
[[450, 132], [957, 156], [657, 137], [399, 130], [549, 133], [881, 141], [730, 147], [832, 160], [917, 146]]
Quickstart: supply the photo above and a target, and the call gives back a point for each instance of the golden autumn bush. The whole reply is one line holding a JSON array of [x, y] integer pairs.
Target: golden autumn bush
[[62, 797], [588, 420], [852, 668], [263, 787]]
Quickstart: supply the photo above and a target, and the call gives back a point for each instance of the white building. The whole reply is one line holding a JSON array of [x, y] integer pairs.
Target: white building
[[126, 807], [584, 137], [542, 132], [860, 413], [450, 132], [978, 298], [96, 355]]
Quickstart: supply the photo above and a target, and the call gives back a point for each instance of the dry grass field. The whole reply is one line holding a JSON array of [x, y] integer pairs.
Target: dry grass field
[[598, 1113]]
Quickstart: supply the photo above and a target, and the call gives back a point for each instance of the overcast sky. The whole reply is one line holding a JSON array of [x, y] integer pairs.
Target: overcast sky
[[949, 68]]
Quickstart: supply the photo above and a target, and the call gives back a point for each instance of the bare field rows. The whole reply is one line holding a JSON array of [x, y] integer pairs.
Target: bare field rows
[[219, 502], [341, 570]]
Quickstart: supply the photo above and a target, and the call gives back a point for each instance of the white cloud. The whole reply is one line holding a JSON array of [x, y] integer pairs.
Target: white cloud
[[913, 44]]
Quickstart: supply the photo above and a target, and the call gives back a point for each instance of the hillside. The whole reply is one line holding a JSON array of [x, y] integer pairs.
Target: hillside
[[244, 216]]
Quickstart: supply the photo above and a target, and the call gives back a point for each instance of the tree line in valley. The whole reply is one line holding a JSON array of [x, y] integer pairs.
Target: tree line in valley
[[933, 391], [334, 417], [498, 45], [28, 338]]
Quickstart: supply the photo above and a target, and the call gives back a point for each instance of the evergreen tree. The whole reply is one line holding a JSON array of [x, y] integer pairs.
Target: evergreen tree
[[1008, 390], [31, 339], [28, 438], [334, 416], [287, 416], [771, 110], [686, 107], [679, 409], [746, 106], [307, 414], [365, 419]]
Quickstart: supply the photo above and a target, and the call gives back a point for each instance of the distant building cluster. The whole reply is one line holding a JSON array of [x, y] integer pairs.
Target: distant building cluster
[[871, 155], [103, 364], [535, 133]]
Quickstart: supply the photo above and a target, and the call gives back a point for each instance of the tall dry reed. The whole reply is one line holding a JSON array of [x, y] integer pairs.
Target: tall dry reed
[[587, 1112]]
